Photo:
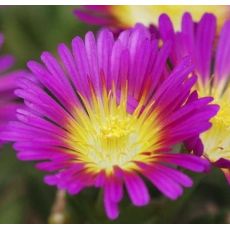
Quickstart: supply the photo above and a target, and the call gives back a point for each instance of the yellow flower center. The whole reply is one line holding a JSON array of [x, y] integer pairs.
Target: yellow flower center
[[104, 134], [115, 128], [217, 139], [129, 15], [223, 116]]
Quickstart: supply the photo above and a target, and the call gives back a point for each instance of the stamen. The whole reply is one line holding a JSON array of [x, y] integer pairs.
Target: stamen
[[106, 135]]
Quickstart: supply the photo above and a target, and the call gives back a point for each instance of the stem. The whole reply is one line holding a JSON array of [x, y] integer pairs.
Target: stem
[[57, 215]]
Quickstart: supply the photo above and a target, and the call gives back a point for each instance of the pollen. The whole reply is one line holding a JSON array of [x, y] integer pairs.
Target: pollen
[[217, 139], [115, 128], [223, 116], [104, 134]]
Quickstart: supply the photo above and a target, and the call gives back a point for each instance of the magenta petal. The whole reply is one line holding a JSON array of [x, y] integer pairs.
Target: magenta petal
[[6, 61], [187, 161], [113, 188], [75, 188], [164, 183], [195, 145], [52, 166], [188, 31], [100, 179], [89, 18], [136, 188], [222, 67], [204, 42], [166, 27], [111, 208], [222, 163], [51, 179], [174, 174]]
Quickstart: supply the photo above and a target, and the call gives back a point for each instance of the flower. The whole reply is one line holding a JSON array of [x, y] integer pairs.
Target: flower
[[125, 16], [200, 40], [104, 116], [8, 101]]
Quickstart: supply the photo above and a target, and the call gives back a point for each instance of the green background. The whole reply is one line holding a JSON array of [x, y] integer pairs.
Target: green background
[[24, 198]]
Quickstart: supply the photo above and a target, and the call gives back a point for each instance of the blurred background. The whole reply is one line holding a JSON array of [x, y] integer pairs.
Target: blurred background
[[24, 198]]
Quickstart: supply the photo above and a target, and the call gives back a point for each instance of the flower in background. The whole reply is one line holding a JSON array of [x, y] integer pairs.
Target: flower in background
[[200, 41], [8, 81], [103, 116], [125, 16]]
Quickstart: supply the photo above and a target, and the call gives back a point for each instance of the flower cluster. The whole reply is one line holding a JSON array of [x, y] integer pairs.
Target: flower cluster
[[110, 109], [110, 113]]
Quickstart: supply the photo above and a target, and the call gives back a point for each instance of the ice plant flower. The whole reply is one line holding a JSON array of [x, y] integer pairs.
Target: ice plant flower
[[200, 41], [125, 16], [103, 116], [8, 101]]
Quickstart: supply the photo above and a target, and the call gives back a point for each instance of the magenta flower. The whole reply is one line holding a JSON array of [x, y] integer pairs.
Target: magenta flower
[[198, 40], [8, 101], [96, 15], [126, 16], [103, 116]]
